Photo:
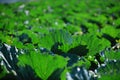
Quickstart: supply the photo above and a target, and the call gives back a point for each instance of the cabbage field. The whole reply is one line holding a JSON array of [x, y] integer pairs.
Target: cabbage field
[[60, 40]]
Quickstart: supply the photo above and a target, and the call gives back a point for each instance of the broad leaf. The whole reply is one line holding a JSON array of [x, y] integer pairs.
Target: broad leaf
[[43, 64]]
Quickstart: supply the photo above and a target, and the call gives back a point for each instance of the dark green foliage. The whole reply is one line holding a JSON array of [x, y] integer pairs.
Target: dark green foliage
[[111, 69], [49, 39]]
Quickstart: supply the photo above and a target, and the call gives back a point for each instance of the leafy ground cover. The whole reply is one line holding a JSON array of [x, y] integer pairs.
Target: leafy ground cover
[[60, 40]]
